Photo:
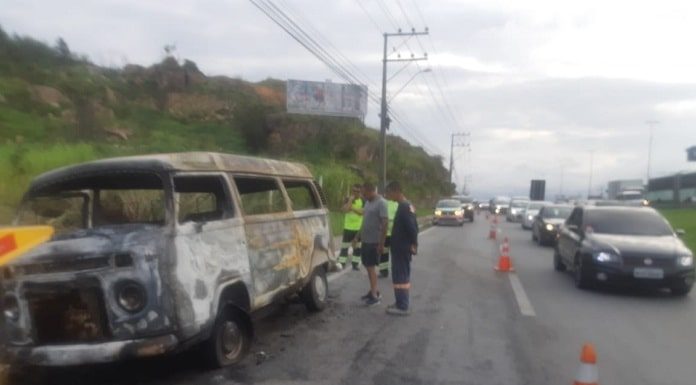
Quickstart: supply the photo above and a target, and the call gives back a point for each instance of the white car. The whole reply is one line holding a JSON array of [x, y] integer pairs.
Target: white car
[[531, 211]]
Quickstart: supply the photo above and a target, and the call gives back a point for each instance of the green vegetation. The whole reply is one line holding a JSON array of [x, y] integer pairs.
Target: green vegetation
[[684, 219], [57, 109]]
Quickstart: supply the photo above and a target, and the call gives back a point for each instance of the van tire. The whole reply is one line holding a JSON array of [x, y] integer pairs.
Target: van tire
[[315, 294], [230, 339]]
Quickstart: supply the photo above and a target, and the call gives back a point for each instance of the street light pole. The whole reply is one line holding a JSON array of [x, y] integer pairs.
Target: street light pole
[[383, 124], [651, 126], [384, 119]]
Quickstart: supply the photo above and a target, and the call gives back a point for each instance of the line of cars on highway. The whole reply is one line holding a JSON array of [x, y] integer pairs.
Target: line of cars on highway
[[613, 243], [599, 241]]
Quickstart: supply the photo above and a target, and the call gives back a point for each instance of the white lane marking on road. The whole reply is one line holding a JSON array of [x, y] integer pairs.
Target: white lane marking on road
[[526, 307], [426, 230]]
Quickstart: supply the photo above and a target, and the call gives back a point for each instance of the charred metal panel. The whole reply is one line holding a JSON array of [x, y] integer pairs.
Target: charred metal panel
[[207, 256], [164, 163], [144, 244]]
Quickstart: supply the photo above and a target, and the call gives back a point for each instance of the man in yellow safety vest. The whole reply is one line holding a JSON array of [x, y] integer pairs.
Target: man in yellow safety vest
[[384, 258], [352, 222]]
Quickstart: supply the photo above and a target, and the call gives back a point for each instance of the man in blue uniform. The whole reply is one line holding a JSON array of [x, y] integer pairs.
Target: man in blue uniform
[[404, 244]]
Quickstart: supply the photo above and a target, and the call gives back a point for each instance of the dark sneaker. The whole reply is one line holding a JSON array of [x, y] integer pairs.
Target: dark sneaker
[[393, 310], [373, 301], [369, 295]]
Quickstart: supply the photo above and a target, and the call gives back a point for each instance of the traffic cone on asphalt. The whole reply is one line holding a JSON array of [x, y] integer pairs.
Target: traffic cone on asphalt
[[492, 232], [587, 373], [504, 261]]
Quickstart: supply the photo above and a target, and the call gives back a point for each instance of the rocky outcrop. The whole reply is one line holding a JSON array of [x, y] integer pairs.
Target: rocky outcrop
[[199, 106], [48, 95]]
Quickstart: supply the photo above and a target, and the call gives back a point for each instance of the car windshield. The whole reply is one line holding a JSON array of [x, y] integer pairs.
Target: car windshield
[[556, 212], [535, 206], [65, 212], [104, 200], [519, 204], [644, 222], [448, 204]]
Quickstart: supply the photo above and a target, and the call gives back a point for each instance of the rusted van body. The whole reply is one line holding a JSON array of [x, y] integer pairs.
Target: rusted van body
[[158, 253]]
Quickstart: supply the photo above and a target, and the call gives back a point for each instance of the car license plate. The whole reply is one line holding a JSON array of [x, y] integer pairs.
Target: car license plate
[[648, 273]]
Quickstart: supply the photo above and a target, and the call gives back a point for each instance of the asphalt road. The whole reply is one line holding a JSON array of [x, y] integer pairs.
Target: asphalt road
[[468, 326]]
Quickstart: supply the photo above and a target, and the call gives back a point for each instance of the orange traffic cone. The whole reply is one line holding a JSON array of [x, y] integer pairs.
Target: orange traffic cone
[[587, 374], [504, 261]]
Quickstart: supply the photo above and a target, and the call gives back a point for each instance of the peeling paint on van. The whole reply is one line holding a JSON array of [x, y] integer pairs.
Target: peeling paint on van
[[181, 268]]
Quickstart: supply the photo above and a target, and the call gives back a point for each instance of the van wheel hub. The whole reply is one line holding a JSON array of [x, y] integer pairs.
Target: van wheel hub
[[232, 340], [319, 288]]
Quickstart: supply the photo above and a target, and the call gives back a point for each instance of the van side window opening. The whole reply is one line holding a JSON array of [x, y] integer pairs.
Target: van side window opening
[[302, 196], [260, 195], [201, 199], [118, 207]]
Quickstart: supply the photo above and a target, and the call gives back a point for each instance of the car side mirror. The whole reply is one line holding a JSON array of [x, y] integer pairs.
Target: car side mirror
[[680, 232]]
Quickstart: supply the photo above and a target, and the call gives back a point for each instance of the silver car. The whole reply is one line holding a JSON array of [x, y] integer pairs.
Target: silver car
[[531, 211]]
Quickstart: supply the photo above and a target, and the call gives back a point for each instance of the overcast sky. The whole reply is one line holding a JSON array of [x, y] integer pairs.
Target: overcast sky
[[540, 85]]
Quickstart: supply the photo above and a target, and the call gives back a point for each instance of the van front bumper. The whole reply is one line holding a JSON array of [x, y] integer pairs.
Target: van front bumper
[[78, 354]]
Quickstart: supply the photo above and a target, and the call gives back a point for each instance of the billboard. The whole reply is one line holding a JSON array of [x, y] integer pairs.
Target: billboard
[[537, 190], [326, 98]]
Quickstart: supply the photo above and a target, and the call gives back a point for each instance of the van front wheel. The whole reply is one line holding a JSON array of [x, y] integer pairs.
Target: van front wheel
[[316, 293], [230, 339]]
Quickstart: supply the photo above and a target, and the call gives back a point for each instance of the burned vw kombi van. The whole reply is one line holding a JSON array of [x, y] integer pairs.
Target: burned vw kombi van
[[154, 254]]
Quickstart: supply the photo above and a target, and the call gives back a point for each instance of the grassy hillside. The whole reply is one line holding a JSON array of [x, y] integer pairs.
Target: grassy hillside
[[57, 108]]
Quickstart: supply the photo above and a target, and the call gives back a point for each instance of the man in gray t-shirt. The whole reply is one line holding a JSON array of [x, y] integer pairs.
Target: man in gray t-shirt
[[372, 235]]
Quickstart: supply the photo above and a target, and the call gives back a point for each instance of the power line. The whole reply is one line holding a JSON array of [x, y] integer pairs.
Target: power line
[[291, 27], [374, 23]]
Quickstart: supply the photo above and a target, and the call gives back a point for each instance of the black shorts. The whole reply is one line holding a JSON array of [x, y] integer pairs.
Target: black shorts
[[401, 267], [369, 255]]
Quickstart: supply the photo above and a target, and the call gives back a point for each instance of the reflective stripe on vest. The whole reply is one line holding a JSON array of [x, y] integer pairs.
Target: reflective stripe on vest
[[392, 206], [351, 220]]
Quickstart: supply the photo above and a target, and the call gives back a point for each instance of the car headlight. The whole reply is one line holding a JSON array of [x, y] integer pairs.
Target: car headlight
[[438, 212], [469, 207], [605, 257], [686, 260], [458, 212], [10, 308], [549, 227], [131, 296], [530, 217], [497, 210]]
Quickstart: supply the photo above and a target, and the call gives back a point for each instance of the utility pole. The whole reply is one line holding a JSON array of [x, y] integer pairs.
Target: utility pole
[[589, 185], [462, 141], [384, 119], [651, 127]]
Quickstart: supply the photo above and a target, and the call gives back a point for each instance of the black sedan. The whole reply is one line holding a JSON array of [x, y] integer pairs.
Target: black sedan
[[546, 223], [624, 245]]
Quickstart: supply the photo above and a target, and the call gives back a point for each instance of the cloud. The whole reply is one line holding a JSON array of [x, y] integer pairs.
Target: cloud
[[540, 84]]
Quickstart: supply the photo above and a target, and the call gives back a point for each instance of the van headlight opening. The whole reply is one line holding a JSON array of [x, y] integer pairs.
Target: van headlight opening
[[549, 227], [131, 296], [11, 308]]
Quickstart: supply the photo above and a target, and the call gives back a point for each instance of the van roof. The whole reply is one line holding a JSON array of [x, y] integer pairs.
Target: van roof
[[184, 161]]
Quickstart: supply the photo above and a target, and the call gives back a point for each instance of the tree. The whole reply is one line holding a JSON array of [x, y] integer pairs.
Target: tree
[[62, 48]]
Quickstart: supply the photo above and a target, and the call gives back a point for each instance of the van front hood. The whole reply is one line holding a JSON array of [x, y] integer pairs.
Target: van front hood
[[97, 242]]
